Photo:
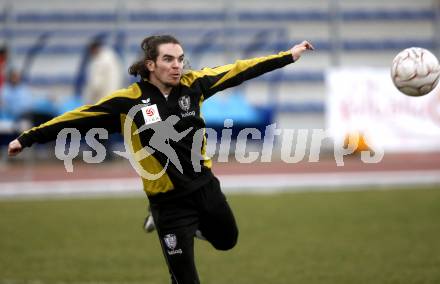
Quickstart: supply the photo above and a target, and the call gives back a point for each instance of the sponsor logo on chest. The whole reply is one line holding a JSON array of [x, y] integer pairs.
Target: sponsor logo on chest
[[151, 114], [185, 104]]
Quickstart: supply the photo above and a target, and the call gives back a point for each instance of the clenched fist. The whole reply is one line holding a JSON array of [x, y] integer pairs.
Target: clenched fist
[[14, 148], [298, 49]]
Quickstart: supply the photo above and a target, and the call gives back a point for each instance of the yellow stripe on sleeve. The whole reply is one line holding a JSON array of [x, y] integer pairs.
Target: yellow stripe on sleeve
[[243, 65], [132, 92], [189, 78]]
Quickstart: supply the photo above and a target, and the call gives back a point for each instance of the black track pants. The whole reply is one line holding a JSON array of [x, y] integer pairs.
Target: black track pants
[[177, 220]]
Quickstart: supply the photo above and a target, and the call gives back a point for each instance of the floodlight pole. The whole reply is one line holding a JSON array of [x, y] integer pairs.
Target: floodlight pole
[[229, 29], [436, 24], [335, 20]]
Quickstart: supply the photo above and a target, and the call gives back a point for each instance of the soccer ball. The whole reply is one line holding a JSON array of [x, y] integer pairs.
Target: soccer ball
[[415, 71]]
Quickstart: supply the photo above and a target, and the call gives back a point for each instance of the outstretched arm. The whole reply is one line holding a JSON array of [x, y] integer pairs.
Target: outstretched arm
[[212, 80], [104, 114]]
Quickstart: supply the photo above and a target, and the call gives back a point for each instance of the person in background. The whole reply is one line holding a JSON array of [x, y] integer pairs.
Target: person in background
[[3, 63], [104, 74], [20, 103], [17, 99], [3, 68]]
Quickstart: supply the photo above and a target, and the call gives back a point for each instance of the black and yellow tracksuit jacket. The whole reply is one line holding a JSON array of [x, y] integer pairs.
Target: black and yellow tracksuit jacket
[[184, 101]]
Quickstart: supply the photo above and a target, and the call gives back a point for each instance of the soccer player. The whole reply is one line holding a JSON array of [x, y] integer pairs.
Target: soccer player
[[185, 196]]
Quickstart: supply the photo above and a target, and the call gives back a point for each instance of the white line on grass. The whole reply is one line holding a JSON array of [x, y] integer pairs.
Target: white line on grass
[[249, 183], [13, 281]]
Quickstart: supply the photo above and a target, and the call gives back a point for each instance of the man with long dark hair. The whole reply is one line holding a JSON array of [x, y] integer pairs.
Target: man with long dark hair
[[185, 196]]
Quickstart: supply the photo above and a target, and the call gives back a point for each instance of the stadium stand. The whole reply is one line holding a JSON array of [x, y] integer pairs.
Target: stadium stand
[[344, 32]]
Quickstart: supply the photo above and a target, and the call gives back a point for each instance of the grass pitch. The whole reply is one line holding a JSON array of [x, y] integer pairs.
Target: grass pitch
[[335, 237]]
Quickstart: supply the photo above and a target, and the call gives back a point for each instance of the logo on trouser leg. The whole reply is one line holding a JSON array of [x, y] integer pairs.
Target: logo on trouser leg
[[171, 243]]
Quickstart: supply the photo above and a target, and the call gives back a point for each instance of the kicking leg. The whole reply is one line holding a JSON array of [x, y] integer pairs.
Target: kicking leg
[[217, 222]]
